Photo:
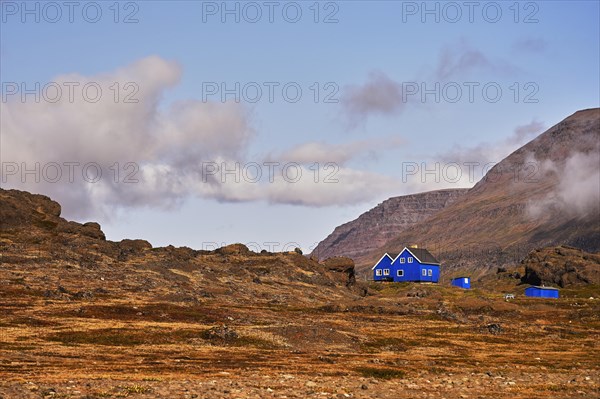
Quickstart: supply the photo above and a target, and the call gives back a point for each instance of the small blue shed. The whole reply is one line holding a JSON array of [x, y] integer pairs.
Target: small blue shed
[[462, 282], [542, 292]]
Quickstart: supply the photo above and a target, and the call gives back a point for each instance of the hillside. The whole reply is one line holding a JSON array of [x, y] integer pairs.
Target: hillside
[[543, 194], [33, 234], [374, 228]]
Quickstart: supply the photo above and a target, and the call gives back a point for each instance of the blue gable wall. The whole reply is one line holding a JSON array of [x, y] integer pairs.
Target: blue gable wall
[[412, 269], [384, 263]]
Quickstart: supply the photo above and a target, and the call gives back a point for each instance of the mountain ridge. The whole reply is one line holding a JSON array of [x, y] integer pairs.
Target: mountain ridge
[[528, 200], [375, 227]]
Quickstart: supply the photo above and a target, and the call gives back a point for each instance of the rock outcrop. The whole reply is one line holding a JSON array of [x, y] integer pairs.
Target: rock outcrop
[[344, 265], [43, 251], [563, 266]]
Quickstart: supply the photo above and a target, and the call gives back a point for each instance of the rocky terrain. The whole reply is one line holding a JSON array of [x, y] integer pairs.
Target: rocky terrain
[[372, 229], [33, 235], [543, 194], [561, 266], [82, 317]]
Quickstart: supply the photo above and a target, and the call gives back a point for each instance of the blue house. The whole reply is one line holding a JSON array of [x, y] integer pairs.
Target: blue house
[[412, 264], [542, 292], [462, 282], [384, 267]]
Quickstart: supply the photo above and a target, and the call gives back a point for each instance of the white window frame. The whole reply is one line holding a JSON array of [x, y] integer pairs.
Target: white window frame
[[400, 273], [386, 272], [424, 272], [378, 272], [410, 259], [429, 272], [402, 260]]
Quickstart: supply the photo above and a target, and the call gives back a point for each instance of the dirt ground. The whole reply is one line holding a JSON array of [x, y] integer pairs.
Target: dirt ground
[[400, 341]]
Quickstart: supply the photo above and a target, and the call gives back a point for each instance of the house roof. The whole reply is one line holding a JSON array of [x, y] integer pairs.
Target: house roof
[[423, 255]]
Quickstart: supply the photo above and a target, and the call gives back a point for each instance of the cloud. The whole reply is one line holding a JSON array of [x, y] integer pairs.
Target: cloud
[[577, 192], [460, 59], [301, 185], [340, 154], [529, 45], [379, 95], [97, 157], [486, 152], [524, 133], [143, 150], [382, 95]]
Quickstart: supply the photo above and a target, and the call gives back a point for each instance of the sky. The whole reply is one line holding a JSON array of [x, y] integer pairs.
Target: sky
[[201, 123]]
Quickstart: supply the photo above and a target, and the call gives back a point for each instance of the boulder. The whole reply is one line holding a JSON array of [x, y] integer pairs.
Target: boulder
[[234, 249], [341, 264], [93, 230], [134, 246]]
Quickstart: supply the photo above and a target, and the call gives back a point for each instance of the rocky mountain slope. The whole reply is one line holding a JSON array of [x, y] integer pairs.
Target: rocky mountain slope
[[374, 228], [543, 194]]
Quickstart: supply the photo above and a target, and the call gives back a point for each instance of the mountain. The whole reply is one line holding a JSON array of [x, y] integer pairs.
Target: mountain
[[545, 193], [374, 228]]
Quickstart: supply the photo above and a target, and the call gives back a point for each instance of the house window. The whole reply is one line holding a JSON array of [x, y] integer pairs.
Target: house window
[[466, 280], [400, 273], [410, 259], [386, 272], [402, 260], [378, 272], [429, 272], [424, 272]]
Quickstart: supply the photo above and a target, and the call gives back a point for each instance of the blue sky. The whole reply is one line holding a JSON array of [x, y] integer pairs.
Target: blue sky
[[368, 61]]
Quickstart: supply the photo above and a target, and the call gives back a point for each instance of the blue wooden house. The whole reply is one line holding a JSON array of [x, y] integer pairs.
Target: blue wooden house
[[462, 282], [542, 292], [412, 264], [384, 267]]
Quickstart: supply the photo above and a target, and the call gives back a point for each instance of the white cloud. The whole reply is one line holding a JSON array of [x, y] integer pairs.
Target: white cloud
[[153, 155], [300, 185], [382, 95], [166, 145], [340, 154], [577, 192], [493, 152]]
